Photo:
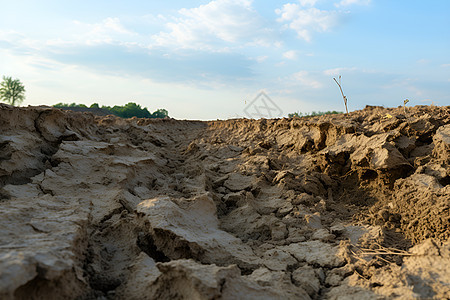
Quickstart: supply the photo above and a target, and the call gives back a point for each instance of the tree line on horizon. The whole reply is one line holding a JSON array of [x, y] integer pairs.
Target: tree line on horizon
[[12, 91], [128, 110], [313, 114]]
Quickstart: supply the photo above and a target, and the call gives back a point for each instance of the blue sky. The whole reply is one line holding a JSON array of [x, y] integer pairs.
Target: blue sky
[[210, 59]]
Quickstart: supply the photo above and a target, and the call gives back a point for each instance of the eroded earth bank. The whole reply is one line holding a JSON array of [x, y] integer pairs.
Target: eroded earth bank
[[331, 207]]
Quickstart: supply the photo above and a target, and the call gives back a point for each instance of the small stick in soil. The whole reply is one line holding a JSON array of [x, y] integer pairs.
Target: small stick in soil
[[357, 256], [383, 259], [385, 251], [357, 273], [342, 92], [404, 109]]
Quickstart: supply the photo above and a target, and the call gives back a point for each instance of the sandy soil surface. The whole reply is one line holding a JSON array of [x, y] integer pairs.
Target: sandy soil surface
[[330, 207]]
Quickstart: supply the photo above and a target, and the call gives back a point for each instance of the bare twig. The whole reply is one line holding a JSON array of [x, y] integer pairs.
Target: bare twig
[[404, 109], [361, 276], [342, 92], [358, 257], [384, 254], [404, 105], [385, 251]]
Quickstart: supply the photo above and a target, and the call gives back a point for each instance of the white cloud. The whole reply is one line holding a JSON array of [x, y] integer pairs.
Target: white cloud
[[408, 84], [215, 25], [19, 41], [262, 58], [110, 25], [306, 21], [445, 65], [304, 78], [292, 54], [308, 2], [423, 61], [10, 34], [338, 71], [352, 2], [107, 31], [152, 19]]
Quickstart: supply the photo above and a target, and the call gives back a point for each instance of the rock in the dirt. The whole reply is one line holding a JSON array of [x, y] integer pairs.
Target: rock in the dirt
[[143, 274], [350, 291], [246, 223], [186, 279], [278, 260], [52, 234], [235, 199], [422, 202], [296, 235], [323, 235], [237, 182], [378, 153], [314, 221], [442, 144], [278, 231], [279, 282], [193, 231], [316, 252], [363, 234], [307, 278]]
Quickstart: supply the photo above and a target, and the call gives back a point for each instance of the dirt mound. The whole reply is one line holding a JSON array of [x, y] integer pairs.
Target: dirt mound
[[327, 207]]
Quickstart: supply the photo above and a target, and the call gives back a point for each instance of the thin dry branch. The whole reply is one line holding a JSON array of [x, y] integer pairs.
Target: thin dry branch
[[342, 92], [384, 254], [361, 276], [404, 109], [384, 251], [382, 259]]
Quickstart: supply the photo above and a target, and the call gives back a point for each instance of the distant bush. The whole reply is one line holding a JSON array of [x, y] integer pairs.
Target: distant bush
[[314, 114], [63, 105], [129, 110], [160, 113]]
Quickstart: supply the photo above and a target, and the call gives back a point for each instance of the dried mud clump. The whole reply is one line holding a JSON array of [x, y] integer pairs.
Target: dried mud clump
[[333, 207]]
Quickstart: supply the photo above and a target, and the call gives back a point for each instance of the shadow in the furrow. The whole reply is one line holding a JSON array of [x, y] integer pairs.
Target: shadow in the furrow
[[42, 159], [146, 243], [117, 240], [112, 248], [122, 235], [358, 199], [25, 154], [40, 288]]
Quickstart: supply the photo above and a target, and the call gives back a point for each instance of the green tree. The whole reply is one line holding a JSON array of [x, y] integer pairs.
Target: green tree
[[160, 113], [128, 110], [12, 91]]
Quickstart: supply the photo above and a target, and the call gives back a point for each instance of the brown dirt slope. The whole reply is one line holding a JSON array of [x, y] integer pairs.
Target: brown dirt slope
[[329, 207]]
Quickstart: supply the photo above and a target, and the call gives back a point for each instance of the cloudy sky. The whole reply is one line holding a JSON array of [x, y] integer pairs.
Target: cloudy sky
[[210, 59]]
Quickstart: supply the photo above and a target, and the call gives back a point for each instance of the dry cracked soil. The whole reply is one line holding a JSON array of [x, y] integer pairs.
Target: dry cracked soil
[[333, 207]]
